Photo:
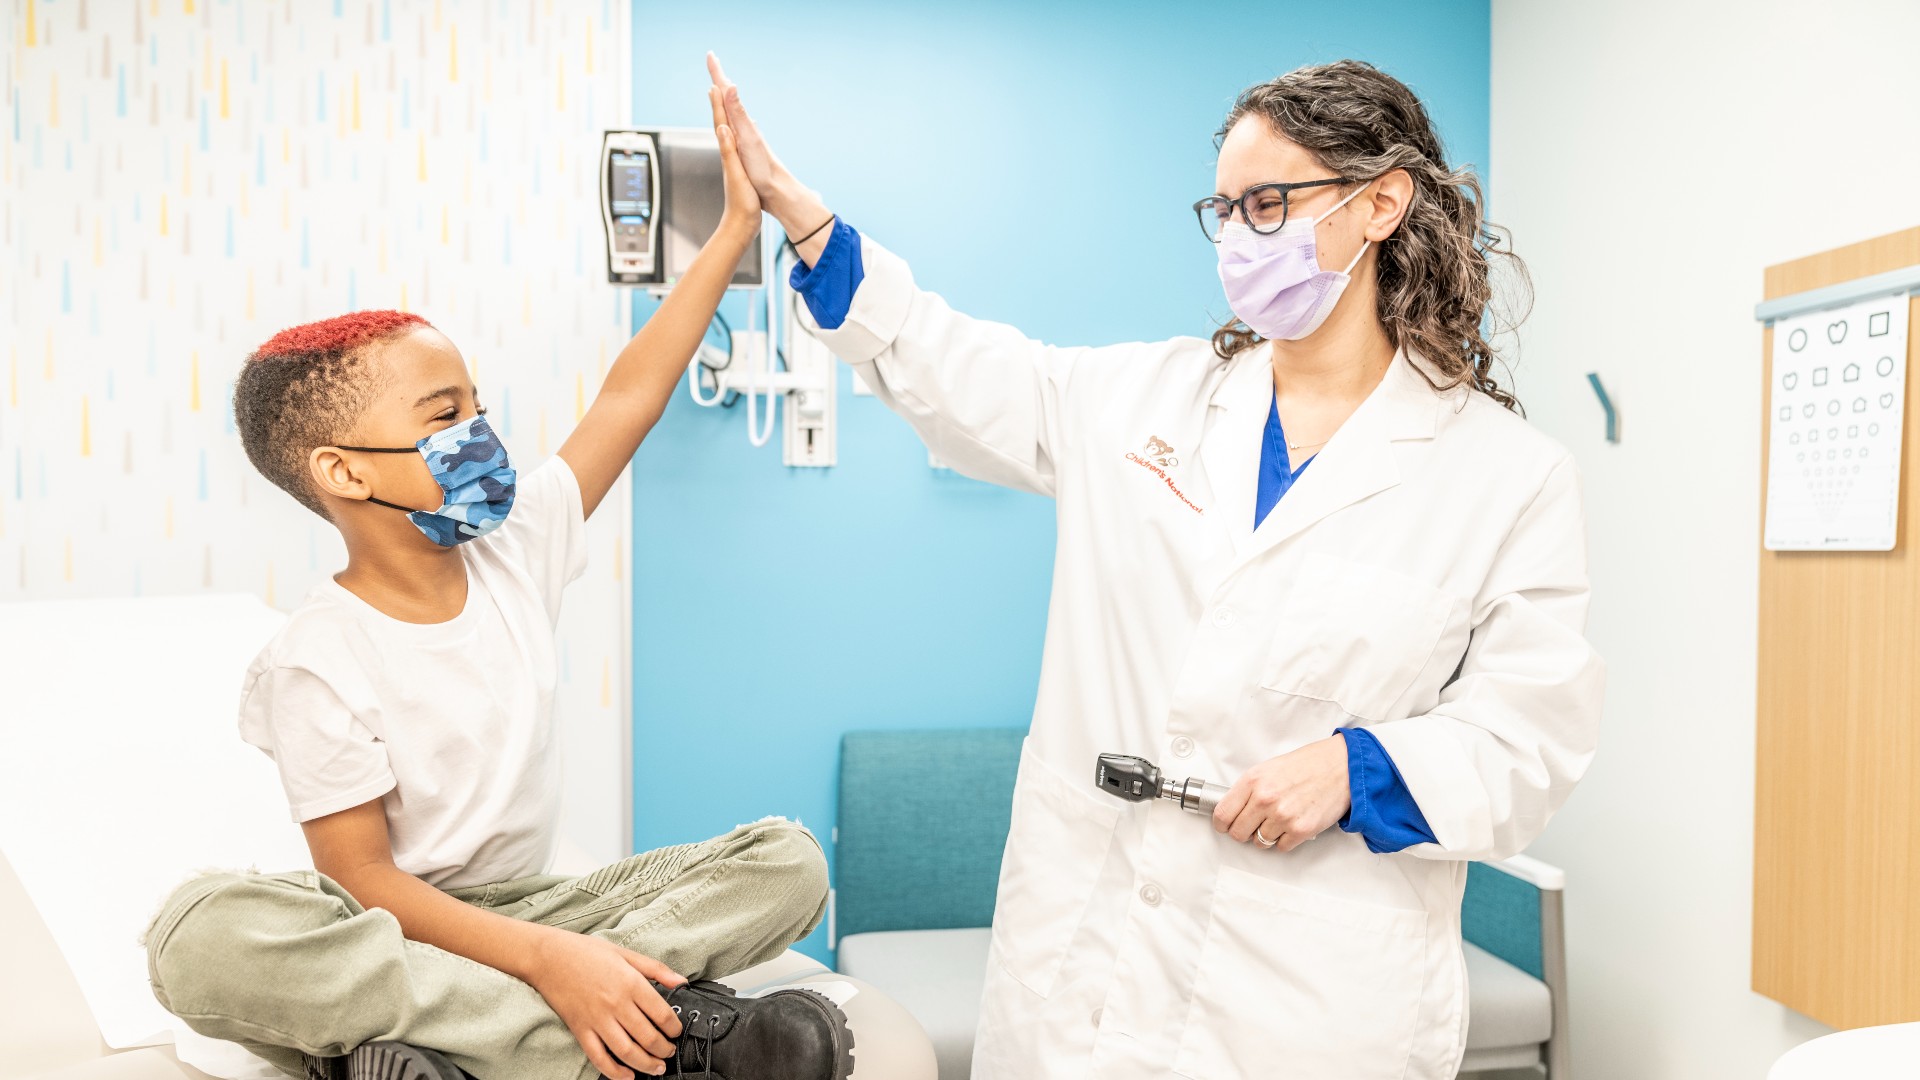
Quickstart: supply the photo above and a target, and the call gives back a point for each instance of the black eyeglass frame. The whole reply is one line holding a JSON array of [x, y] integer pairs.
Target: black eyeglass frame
[[1212, 203]]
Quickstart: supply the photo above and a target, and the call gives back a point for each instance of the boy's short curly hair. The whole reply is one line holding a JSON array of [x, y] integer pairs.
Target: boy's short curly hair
[[305, 388]]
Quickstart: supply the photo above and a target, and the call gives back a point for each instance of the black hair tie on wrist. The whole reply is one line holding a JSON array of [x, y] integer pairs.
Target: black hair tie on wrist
[[795, 244]]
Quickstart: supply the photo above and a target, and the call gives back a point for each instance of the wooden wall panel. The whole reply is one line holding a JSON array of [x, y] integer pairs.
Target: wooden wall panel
[[1836, 892]]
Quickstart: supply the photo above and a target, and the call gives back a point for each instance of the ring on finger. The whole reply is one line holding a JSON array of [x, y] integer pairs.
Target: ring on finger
[[1262, 838]]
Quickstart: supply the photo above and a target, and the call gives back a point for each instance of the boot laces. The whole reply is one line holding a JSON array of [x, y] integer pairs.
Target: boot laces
[[696, 1047]]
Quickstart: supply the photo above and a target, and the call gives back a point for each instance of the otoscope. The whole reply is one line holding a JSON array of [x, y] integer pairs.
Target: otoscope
[[1136, 779]]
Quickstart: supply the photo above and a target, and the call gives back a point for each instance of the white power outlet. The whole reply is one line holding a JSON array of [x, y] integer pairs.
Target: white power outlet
[[812, 406]]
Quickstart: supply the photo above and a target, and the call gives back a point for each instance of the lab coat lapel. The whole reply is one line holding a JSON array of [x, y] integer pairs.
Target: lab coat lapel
[[1357, 462], [1230, 452]]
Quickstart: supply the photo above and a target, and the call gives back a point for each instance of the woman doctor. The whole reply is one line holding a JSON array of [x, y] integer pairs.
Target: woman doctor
[[1320, 554]]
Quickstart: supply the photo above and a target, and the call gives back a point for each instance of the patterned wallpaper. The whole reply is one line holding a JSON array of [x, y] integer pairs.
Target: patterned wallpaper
[[182, 178]]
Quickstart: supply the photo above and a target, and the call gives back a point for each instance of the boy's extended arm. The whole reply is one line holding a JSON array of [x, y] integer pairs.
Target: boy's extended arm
[[645, 373], [600, 990]]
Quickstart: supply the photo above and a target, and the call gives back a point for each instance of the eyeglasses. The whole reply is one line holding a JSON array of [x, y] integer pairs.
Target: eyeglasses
[[1263, 207]]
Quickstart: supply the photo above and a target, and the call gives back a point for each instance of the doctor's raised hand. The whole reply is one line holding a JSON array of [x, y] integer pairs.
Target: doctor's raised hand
[[798, 209]]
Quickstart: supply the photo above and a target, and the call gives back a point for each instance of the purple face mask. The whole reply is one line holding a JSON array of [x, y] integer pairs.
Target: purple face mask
[[1274, 283]]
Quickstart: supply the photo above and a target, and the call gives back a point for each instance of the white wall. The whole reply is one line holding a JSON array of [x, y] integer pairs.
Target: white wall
[[1652, 156], [180, 181]]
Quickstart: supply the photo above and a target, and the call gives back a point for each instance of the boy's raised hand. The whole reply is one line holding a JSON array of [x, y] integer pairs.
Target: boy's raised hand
[[743, 201], [603, 994]]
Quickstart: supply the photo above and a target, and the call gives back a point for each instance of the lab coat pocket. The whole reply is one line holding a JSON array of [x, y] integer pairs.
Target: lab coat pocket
[[1056, 846], [1303, 985], [1354, 634]]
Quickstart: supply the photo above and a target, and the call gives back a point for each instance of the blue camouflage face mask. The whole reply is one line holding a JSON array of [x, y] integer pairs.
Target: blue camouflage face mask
[[469, 463]]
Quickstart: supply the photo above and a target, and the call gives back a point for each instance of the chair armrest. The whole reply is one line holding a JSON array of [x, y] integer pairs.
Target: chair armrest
[[1538, 874]]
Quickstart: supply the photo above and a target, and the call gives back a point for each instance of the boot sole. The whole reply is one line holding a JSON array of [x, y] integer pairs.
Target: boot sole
[[384, 1061], [842, 1034]]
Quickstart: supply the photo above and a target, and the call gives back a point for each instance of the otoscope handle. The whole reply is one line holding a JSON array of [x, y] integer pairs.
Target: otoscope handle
[[1195, 794]]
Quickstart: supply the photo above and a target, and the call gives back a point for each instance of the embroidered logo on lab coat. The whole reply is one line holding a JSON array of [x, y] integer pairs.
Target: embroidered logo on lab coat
[[1158, 452], [1157, 457]]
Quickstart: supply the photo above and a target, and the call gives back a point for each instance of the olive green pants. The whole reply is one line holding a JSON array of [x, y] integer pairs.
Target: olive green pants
[[289, 964]]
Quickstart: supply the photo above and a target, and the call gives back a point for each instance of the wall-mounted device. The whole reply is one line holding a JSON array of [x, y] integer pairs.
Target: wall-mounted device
[[661, 196]]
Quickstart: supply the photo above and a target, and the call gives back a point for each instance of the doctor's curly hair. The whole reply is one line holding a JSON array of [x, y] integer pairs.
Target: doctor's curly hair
[[1435, 291]]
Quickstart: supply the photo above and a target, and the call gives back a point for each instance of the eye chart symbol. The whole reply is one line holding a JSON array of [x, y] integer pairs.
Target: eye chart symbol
[[1877, 324], [1790, 380], [1797, 340], [1850, 373], [1884, 367], [1828, 482], [1837, 331], [1819, 376]]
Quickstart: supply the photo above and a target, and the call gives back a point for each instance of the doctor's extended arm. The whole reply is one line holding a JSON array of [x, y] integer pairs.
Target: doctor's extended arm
[[1517, 729], [983, 396]]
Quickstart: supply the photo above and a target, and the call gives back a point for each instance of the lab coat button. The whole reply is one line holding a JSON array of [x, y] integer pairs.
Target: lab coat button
[[1150, 894], [1223, 618], [1182, 747]]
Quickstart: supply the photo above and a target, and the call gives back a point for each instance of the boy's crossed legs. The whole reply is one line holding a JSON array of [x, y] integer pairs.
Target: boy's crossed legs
[[290, 965]]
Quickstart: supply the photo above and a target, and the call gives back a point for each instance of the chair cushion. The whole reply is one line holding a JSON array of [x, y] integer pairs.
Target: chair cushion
[[1506, 1006], [938, 975], [956, 787]]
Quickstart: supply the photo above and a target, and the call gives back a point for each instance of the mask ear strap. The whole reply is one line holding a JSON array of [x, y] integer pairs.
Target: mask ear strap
[[394, 506], [1335, 208], [1364, 245], [381, 449]]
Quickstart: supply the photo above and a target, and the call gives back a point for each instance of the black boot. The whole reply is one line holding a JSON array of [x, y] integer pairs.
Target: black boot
[[384, 1061], [794, 1034]]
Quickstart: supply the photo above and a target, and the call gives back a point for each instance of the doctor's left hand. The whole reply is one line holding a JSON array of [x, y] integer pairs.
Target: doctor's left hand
[[1290, 799]]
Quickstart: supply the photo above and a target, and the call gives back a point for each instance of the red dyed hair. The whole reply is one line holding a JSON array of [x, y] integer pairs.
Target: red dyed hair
[[340, 334], [307, 387]]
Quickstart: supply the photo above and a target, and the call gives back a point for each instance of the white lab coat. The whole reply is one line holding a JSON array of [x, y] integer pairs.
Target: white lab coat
[[1425, 577]]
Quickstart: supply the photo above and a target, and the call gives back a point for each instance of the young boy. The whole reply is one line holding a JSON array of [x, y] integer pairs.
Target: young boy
[[407, 704]]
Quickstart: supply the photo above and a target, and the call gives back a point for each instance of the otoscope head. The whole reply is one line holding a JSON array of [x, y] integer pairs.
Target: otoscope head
[[1132, 778]]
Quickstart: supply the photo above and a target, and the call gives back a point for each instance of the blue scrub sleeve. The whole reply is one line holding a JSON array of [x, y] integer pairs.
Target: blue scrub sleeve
[[1384, 813], [828, 287]]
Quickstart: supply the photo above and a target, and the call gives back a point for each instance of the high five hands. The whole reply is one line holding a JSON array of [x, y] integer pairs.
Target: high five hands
[[743, 195], [799, 210]]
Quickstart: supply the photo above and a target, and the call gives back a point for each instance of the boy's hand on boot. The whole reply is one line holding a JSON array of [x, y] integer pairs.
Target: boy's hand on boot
[[605, 996]]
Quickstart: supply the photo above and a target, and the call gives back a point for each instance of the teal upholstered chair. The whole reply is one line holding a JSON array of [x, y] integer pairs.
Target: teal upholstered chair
[[1515, 928], [923, 821]]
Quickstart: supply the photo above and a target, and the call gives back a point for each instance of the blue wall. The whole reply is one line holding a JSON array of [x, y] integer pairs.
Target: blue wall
[[1035, 163]]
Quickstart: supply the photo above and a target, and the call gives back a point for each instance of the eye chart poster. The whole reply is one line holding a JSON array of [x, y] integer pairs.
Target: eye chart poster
[[1839, 392]]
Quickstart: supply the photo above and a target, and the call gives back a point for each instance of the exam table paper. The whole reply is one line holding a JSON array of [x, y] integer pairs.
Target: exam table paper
[[123, 774]]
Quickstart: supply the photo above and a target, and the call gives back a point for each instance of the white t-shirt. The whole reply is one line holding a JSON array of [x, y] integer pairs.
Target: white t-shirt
[[451, 723]]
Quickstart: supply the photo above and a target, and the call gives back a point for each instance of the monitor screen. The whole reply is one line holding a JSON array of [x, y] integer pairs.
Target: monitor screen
[[630, 184]]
